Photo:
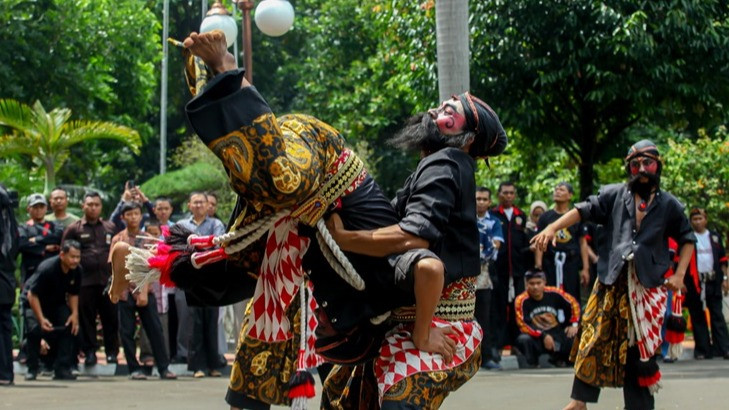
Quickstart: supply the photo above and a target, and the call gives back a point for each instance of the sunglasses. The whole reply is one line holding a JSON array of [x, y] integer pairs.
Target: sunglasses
[[646, 162]]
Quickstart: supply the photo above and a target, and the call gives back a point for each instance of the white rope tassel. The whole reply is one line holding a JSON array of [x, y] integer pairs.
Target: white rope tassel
[[139, 270], [255, 234], [336, 257], [231, 236]]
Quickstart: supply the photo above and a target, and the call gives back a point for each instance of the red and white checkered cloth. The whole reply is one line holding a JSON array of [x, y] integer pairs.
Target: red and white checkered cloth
[[399, 358], [278, 283]]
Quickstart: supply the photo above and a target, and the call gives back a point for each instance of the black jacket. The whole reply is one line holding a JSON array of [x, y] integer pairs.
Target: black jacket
[[614, 207], [514, 254]]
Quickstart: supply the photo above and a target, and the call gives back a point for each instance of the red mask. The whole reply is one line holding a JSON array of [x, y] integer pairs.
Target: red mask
[[645, 164], [448, 119]]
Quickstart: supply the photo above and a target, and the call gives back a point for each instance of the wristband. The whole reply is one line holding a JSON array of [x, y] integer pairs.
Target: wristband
[[726, 277], [575, 324]]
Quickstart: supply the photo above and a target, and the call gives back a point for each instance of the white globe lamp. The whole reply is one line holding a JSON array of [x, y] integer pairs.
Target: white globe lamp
[[274, 17], [218, 18]]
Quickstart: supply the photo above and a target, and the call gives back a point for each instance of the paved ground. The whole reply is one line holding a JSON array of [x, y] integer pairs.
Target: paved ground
[[688, 384]]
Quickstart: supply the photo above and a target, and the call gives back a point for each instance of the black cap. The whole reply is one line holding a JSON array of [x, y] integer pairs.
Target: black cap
[[643, 148]]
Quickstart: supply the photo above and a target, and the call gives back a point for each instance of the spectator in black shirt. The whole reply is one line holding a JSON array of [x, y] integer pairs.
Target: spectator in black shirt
[[51, 297], [39, 239], [563, 262]]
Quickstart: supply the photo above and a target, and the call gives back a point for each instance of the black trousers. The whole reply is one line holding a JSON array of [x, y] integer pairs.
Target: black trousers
[[532, 347], [152, 326], [93, 301], [503, 319], [203, 350], [6, 342], [634, 396], [61, 340], [570, 273], [483, 317], [718, 342]]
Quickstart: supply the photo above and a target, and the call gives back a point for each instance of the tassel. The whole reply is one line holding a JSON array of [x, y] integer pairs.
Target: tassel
[[676, 327], [301, 385], [649, 375]]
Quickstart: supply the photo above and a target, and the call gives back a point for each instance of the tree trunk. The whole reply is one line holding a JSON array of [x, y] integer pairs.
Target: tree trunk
[[451, 25]]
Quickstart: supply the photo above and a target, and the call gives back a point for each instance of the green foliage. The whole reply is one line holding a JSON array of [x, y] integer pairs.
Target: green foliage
[[580, 73], [199, 170], [695, 172], [46, 137]]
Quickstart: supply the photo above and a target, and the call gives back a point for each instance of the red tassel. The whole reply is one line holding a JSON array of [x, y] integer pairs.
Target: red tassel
[[302, 390], [647, 381], [674, 337], [162, 261]]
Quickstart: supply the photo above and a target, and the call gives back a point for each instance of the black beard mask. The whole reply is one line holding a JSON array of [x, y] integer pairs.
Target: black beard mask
[[644, 189], [422, 134]]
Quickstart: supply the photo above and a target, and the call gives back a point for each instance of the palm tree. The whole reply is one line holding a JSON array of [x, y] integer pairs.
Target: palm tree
[[46, 137]]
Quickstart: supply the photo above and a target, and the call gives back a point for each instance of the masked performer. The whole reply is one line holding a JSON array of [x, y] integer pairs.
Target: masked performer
[[621, 324], [435, 207]]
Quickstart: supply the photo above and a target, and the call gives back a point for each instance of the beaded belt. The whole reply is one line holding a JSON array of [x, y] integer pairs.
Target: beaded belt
[[457, 303], [343, 177]]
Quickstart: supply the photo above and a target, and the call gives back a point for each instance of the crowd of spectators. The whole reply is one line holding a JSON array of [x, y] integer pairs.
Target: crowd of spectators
[[528, 301], [64, 282]]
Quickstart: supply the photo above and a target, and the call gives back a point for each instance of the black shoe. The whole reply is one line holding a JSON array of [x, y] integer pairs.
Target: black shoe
[[64, 375], [111, 360], [90, 359], [30, 376]]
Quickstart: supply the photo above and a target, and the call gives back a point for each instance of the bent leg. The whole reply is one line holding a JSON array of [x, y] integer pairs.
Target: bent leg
[[119, 282]]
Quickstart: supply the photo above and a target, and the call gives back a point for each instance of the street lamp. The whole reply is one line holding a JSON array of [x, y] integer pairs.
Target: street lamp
[[218, 18], [273, 18]]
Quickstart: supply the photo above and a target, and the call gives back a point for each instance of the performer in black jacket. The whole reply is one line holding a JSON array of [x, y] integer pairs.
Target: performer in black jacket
[[630, 294]]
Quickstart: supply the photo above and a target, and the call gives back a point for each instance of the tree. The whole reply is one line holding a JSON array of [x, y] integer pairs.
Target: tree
[[47, 137], [696, 174], [580, 73]]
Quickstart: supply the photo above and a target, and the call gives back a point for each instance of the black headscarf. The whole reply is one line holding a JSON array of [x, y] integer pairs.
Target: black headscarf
[[482, 120]]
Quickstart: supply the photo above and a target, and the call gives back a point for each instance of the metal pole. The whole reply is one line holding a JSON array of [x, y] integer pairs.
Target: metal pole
[[246, 6], [163, 91]]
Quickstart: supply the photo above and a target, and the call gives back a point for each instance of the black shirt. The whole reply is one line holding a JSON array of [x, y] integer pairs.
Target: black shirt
[[95, 239], [568, 239], [45, 233], [614, 207], [437, 204], [51, 285]]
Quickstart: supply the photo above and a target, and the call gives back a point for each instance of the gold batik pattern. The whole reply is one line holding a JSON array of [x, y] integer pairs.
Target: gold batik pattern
[[355, 387], [262, 370], [600, 356], [278, 163]]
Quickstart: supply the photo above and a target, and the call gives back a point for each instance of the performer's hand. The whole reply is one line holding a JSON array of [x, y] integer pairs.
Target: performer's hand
[[544, 238], [73, 321], [438, 342], [585, 276], [549, 343], [570, 331], [674, 282], [46, 325]]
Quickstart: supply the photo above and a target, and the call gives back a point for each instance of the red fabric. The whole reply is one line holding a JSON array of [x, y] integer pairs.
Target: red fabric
[[163, 262], [647, 381], [302, 390]]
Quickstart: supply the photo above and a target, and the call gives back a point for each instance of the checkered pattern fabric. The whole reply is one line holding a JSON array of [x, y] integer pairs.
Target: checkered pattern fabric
[[279, 279], [648, 306], [399, 358]]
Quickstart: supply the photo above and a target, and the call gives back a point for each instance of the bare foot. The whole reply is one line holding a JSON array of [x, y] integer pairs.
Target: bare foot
[[119, 282], [576, 405], [212, 49]]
